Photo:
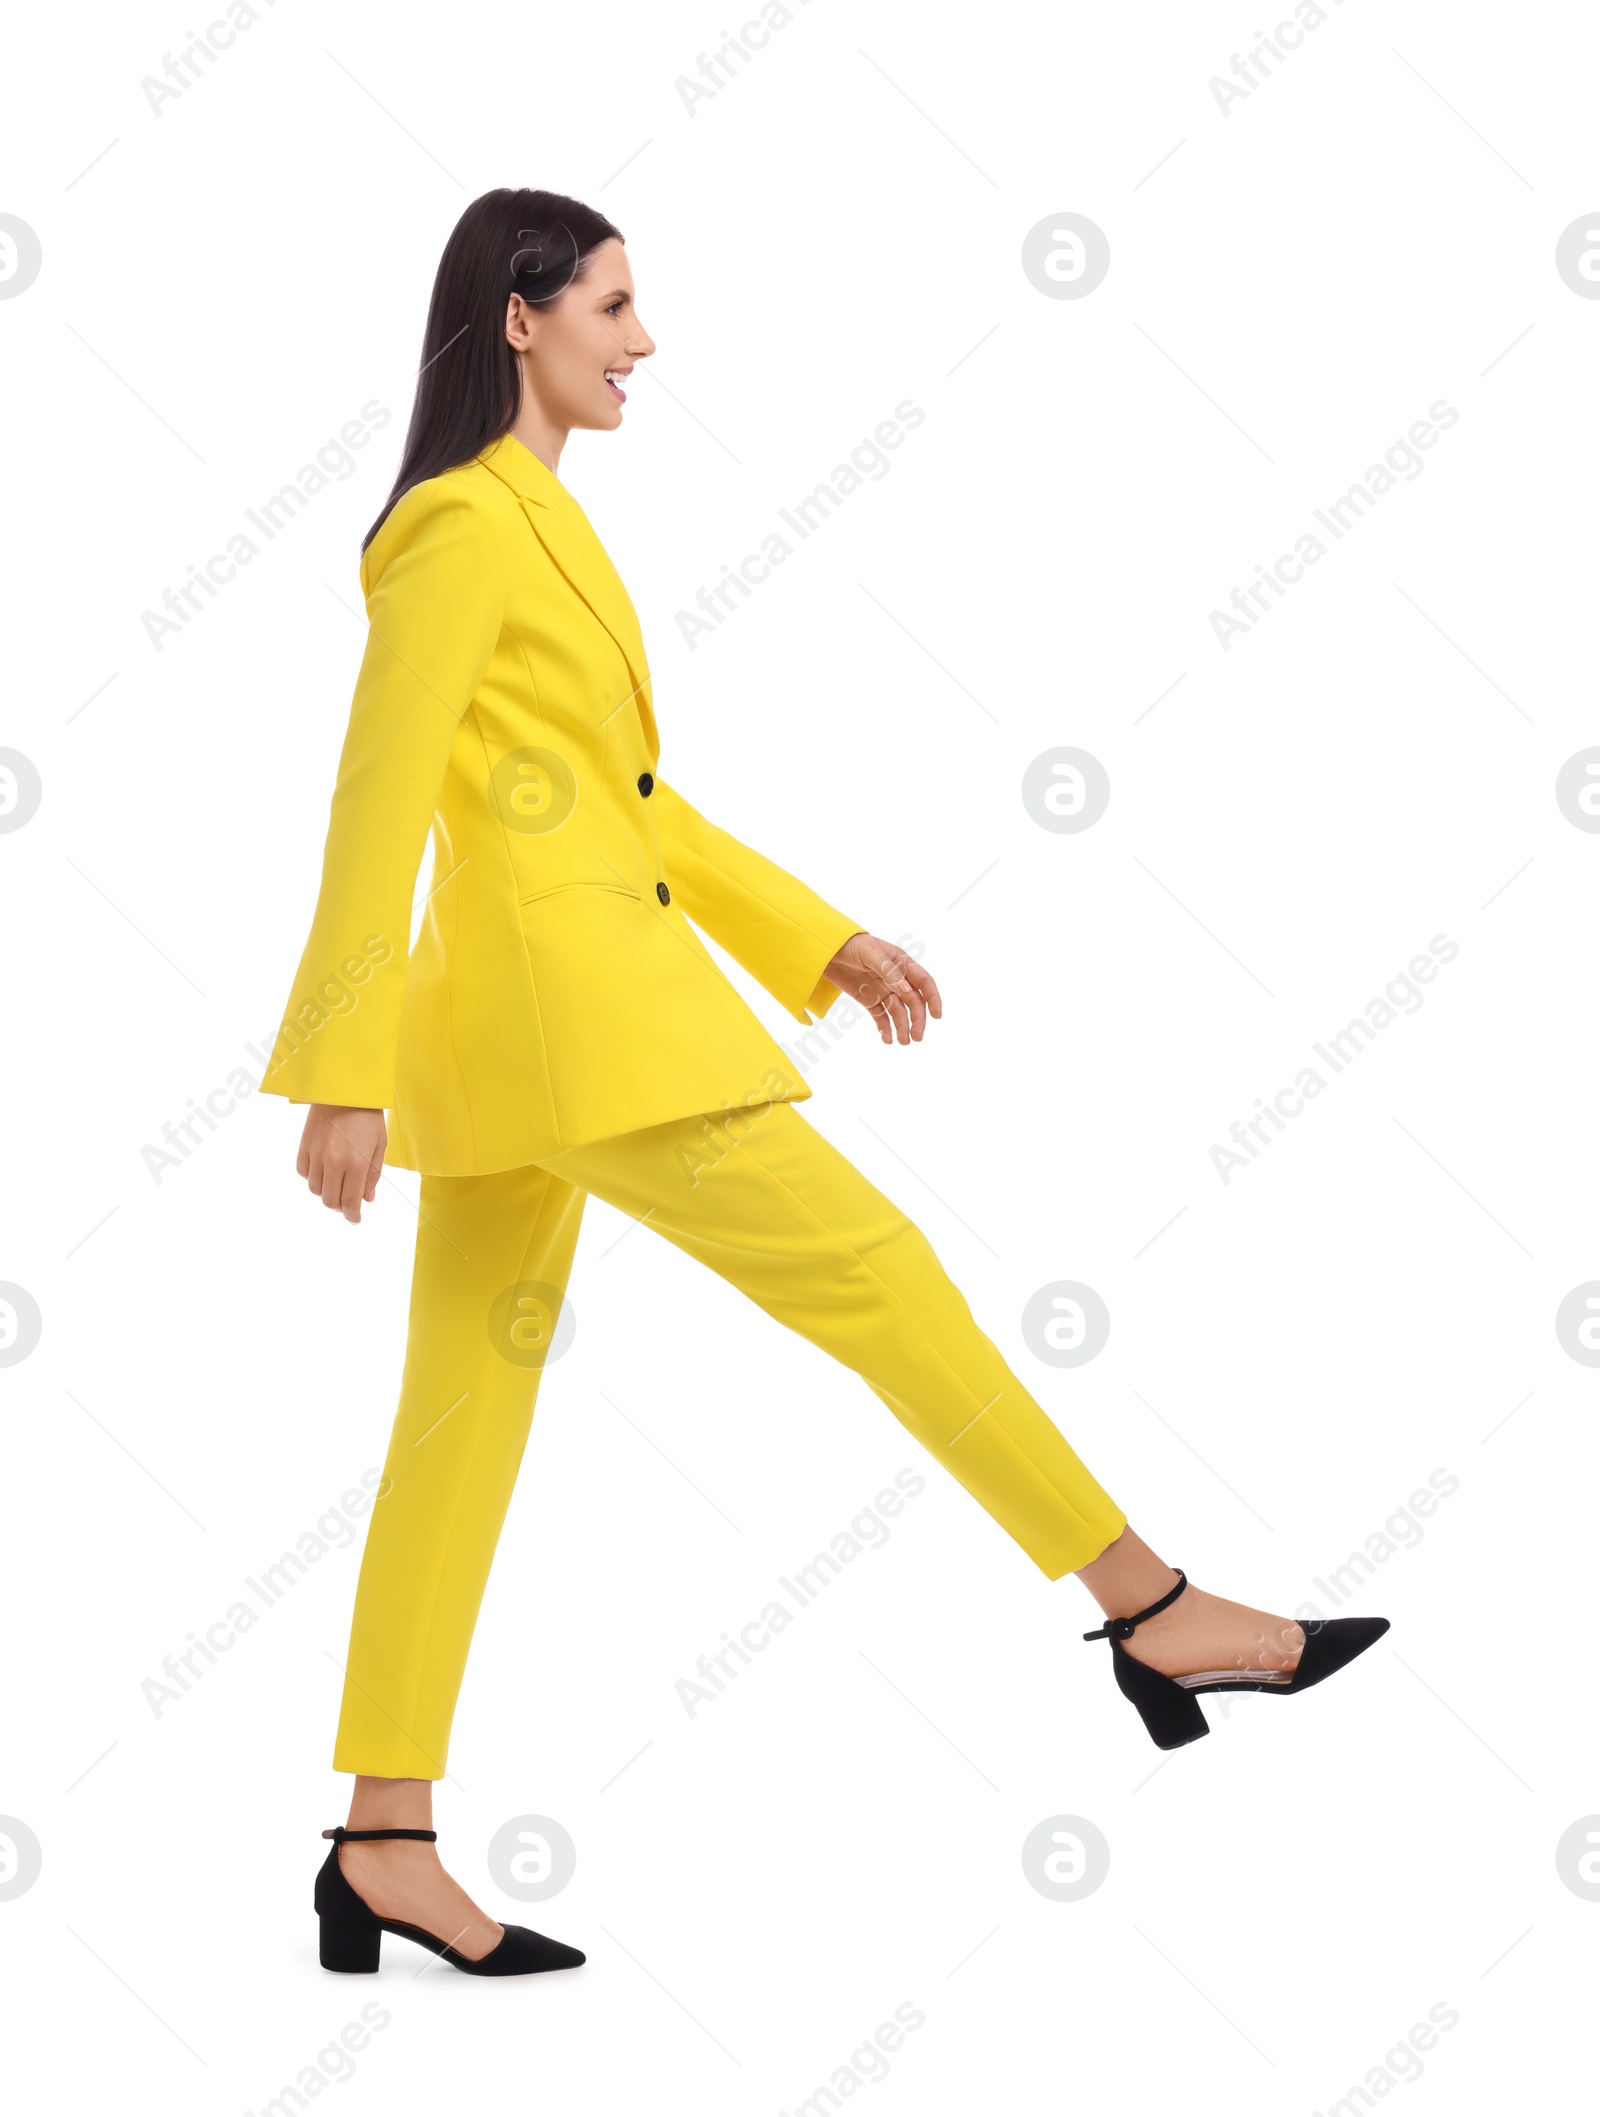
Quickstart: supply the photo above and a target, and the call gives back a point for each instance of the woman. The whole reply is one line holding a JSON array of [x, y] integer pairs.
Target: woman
[[560, 1028]]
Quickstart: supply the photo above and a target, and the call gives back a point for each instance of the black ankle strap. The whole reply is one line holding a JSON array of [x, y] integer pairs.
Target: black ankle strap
[[1122, 1627], [341, 1836]]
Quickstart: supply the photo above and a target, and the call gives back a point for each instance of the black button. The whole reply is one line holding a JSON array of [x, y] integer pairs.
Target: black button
[[646, 783], [663, 893]]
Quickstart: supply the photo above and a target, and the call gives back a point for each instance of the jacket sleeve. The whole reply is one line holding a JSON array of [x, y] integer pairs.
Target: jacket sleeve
[[784, 934], [434, 611]]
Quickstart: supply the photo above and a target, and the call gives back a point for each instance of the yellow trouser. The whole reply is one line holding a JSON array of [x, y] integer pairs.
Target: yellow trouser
[[771, 1206]]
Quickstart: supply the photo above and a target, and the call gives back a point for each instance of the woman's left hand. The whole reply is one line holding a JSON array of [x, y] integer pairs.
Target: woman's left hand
[[892, 986]]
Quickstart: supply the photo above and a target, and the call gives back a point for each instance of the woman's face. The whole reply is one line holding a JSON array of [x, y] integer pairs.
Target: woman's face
[[570, 347]]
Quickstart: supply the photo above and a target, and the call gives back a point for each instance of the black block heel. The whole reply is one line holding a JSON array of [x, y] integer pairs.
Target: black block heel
[[1168, 1705], [345, 1943], [350, 1933], [1171, 1715]]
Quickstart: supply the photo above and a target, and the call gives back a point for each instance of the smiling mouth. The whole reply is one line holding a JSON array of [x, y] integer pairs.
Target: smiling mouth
[[613, 381]]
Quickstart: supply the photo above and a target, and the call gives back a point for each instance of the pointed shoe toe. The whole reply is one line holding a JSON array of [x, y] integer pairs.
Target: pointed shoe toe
[[1331, 1644], [521, 1951]]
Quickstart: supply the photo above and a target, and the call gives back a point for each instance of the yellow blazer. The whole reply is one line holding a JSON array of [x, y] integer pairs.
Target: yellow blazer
[[558, 992]]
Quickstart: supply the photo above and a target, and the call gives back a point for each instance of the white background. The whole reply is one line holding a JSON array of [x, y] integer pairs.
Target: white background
[[1370, 1301]]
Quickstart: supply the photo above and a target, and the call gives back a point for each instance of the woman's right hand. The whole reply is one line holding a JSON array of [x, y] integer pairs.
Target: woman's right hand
[[341, 1155]]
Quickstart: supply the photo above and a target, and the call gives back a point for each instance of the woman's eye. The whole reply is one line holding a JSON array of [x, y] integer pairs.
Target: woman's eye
[[613, 308]]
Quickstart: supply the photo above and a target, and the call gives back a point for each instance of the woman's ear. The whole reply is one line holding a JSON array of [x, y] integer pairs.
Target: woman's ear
[[519, 323]]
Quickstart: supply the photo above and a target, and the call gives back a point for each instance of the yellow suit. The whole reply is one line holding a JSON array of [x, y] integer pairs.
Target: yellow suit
[[558, 993], [561, 1031]]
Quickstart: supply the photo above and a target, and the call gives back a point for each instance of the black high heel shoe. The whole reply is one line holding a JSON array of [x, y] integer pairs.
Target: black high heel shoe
[[1168, 1705], [350, 1932]]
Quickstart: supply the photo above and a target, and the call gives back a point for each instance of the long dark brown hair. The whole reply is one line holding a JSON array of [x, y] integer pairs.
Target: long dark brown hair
[[469, 386]]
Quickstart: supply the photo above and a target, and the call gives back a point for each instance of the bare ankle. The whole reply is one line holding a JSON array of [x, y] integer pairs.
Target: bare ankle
[[1127, 1576], [390, 1804]]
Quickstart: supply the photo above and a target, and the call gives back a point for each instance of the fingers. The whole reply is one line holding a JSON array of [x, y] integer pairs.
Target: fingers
[[339, 1173], [916, 1007], [891, 1017], [350, 1193], [903, 976], [922, 980], [344, 1178]]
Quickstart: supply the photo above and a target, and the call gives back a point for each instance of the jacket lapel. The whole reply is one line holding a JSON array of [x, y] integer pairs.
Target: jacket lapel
[[568, 536]]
